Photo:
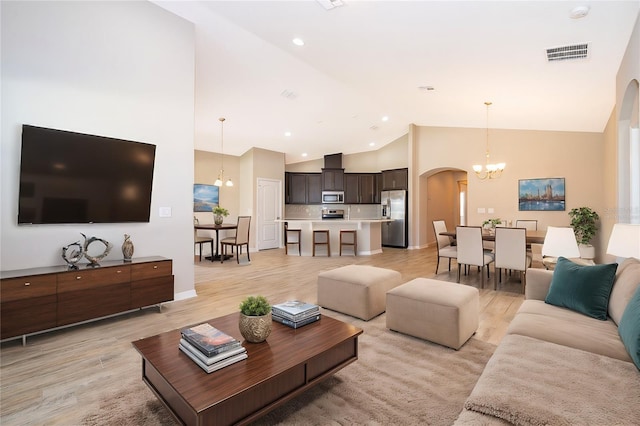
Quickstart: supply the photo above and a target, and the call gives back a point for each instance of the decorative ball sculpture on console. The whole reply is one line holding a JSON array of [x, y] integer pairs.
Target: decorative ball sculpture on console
[[95, 260]]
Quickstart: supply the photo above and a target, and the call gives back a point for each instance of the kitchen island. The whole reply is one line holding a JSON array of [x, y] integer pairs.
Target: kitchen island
[[369, 234]]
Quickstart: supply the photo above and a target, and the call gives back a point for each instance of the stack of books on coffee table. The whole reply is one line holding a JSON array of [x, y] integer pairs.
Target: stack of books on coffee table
[[295, 313], [210, 348]]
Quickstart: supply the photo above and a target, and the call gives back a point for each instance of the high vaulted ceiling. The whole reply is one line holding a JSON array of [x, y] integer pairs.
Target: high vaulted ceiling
[[369, 59]]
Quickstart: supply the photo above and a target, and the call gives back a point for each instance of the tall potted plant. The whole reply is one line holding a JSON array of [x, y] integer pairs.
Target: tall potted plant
[[584, 222], [255, 319]]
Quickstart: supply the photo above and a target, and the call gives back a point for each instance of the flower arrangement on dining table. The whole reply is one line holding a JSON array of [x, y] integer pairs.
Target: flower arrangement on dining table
[[490, 224], [219, 213]]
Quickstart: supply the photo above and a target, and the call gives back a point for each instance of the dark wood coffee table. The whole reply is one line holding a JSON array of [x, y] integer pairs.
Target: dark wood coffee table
[[288, 363]]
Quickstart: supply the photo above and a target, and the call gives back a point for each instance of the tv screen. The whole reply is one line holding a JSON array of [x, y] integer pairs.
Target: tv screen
[[68, 177]]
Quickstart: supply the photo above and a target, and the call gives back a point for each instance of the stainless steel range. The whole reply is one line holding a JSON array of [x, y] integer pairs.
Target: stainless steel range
[[332, 214]]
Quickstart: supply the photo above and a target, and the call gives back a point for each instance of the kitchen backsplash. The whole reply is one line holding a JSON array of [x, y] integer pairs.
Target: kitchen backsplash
[[355, 211]]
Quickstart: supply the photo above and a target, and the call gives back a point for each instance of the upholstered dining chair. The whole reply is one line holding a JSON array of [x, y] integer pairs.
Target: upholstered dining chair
[[511, 253], [241, 239], [528, 224], [470, 250], [445, 249], [199, 240]]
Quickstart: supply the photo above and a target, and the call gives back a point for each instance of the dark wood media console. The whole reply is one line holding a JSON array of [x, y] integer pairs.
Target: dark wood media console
[[39, 299]]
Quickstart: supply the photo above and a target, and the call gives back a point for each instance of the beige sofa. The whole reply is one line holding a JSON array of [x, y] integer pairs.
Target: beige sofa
[[557, 366]]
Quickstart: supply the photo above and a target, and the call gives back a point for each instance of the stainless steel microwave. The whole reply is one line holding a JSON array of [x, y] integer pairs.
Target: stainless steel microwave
[[332, 197]]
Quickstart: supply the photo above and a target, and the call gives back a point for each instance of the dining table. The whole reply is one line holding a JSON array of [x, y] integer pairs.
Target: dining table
[[533, 236], [217, 229]]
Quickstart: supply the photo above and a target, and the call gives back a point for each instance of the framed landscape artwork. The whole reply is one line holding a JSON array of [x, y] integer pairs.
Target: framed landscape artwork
[[205, 197], [541, 194]]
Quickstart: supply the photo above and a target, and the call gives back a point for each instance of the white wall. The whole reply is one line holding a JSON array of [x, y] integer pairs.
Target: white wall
[[118, 69]]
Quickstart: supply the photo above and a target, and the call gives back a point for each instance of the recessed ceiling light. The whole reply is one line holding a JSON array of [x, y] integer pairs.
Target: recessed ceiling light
[[385, 118], [372, 144], [304, 154], [287, 134], [579, 12], [298, 41]]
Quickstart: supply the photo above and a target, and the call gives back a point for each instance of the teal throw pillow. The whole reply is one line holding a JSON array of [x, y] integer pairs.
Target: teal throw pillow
[[584, 289], [629, 328]]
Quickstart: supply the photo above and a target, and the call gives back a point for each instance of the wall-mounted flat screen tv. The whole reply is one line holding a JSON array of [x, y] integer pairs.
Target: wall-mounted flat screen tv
[[68, 177]]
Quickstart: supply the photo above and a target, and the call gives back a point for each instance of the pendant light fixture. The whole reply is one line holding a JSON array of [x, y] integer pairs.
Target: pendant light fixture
[[490, 171], [220, 179]]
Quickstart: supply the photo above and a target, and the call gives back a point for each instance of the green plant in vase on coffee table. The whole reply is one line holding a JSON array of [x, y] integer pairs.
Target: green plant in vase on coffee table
[[255, 319], [219, 213]]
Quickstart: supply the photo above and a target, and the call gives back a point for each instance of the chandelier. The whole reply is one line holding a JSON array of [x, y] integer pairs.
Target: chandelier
[[489, 171], [220, 179]]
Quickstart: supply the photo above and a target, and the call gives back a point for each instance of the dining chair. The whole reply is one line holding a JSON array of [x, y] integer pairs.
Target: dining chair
[[241, 239], [471, 251], [445, 249], [511, 253], [528, 224], [200, 240]]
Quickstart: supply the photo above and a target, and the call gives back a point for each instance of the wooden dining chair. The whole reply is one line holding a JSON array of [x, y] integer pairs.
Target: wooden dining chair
[[511, 253], [445, 249], [471, 251], [241, 239]]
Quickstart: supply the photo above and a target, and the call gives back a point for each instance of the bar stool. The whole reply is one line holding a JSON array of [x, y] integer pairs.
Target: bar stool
[[354, 240], [287, 241], [316, 241]]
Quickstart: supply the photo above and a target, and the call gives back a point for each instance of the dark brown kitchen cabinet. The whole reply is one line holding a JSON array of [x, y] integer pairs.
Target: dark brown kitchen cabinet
[[314, 188], [361, 188], [395, 179], [303, 188], [296, 188], [351, 188], [333, 179]]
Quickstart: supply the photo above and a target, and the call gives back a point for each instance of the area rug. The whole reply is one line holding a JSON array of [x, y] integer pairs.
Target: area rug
[[397, 379]]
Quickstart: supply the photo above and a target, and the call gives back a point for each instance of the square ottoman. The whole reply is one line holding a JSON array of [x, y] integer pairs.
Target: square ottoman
[[356, 290], [438, 311]]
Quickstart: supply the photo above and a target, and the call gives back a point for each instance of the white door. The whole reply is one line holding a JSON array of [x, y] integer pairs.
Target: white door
[[269, 210]]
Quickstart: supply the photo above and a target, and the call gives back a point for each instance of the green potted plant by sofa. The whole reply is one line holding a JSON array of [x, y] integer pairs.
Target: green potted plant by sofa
[[255, 319], [584, 222], [219, 213]]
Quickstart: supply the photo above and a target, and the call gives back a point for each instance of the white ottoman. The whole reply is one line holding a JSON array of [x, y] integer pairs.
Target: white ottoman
[[356, 290], [438, 311]]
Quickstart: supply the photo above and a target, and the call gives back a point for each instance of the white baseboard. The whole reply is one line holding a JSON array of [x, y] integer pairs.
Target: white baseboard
[[185, 295]]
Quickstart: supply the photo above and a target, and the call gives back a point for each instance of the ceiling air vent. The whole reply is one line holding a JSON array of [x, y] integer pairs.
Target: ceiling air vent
[[563, 53]]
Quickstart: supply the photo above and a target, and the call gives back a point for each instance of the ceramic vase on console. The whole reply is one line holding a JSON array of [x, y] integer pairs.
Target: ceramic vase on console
[[127, 248]]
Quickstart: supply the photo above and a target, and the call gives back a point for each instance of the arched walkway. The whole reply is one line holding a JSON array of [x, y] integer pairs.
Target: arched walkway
[[440, 191]]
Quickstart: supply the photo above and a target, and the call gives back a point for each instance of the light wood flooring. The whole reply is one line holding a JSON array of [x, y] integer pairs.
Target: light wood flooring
[[60, 376]]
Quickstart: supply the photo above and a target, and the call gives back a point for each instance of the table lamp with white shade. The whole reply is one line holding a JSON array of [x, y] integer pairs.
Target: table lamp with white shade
[[559, 241], [625, 240]]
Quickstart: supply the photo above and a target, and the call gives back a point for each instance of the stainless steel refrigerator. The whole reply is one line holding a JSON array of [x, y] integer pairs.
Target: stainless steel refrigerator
[[394, 207]]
